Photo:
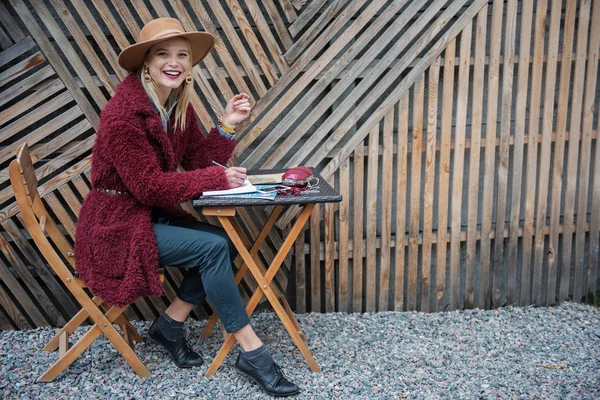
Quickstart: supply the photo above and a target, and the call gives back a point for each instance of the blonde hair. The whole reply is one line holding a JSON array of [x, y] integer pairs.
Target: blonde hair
[[183, 94]]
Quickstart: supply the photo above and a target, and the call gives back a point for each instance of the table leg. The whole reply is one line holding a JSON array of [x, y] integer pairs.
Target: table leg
[[244, 268], [265, 288]]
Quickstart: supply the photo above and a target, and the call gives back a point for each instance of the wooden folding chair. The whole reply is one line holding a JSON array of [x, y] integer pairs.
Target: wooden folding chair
[[49, 239]]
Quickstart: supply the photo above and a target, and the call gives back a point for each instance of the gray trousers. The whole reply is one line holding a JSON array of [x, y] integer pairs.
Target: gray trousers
[[207, 253]]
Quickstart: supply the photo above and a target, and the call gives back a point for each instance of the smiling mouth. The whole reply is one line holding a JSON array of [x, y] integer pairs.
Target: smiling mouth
[[172, 74]]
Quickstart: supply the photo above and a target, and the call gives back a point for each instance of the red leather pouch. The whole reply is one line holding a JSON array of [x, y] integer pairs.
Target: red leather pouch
[[297, 177]]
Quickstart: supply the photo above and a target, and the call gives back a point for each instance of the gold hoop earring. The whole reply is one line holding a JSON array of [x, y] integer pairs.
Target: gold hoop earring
[[189, 79], [147, 77]]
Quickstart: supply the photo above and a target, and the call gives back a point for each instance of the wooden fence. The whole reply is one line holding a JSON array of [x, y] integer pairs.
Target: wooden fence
[[462, 134]]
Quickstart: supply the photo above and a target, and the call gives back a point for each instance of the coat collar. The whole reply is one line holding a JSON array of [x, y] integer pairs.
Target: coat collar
[[136, 98]]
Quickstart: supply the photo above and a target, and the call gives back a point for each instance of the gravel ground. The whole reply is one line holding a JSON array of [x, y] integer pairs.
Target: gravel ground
[[515, 353]]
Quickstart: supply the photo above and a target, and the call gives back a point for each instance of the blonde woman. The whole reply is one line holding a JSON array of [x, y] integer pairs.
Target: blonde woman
[[131, 223]]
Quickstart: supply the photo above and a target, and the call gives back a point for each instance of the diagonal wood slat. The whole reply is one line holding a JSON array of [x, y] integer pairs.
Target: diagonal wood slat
[[342, 84], [263, 119], [411, 77]]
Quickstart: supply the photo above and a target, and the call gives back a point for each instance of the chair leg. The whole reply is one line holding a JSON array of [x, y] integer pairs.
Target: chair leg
[[127, 335], [88, 338], [210, 325], [63, 344], [290, 314], [70, 326], [128, 330]]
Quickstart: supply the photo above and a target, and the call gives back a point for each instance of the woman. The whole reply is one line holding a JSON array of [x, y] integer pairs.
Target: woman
[[130, 223]]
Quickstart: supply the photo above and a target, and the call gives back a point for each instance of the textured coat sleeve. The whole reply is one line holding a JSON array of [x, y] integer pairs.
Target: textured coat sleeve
[[140, 169], [201, 149]]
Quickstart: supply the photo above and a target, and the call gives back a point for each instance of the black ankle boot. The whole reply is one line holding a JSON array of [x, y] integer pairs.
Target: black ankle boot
[[180, 351], [271, 379]]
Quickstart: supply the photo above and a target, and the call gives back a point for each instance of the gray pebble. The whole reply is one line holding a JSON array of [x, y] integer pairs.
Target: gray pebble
[[508, 353]]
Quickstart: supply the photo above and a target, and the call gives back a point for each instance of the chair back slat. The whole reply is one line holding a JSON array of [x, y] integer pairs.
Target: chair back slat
[[33, 211], [27, 170], [61, 242]]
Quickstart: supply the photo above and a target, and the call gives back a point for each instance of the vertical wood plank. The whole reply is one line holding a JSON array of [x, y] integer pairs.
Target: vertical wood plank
[[559, 150], [582, 271], [444, 176], [315, 262], [532, 149], [371, 209], [415, 194], [433, 82], [401, 185], [387, 166], [343, 236], [500, 274], [300, 273], [545, 152], [518, 149], [594, 248], [330, 283], [357, 231], [573, 144], [475, 157], [490, 154], [458, 165]]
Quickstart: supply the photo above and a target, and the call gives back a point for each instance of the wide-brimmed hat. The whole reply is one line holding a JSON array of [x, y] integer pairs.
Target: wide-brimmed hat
[[157, 30]]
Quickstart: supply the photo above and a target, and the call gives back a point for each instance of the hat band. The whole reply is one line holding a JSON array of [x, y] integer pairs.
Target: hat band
[[168, 32]]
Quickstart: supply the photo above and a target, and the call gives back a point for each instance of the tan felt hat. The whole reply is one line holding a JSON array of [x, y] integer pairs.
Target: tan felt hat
[[157, 30]]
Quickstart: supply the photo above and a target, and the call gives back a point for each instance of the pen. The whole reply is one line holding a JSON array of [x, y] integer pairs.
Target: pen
[[220, 165]]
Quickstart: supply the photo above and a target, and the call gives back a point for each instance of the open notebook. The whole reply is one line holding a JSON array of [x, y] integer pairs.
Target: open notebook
[[248, 190], [247, 187]]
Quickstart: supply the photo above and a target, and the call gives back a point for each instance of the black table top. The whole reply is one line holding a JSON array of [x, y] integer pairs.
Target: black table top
[[322, 192]]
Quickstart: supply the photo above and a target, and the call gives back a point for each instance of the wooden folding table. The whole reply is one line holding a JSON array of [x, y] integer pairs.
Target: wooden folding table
[[224, 209]]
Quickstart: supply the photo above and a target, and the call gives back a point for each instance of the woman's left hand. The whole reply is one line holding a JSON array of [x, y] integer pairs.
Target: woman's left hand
[[237, 109]]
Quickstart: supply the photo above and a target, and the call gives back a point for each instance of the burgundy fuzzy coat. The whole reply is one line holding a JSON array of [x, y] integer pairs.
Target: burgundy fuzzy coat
[[115, 245]]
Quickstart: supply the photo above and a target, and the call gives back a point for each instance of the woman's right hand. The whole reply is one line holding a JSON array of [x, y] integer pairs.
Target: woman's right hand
[[235, 176]]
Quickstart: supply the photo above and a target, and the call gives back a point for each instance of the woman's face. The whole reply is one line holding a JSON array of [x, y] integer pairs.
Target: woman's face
[[169, 63]]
